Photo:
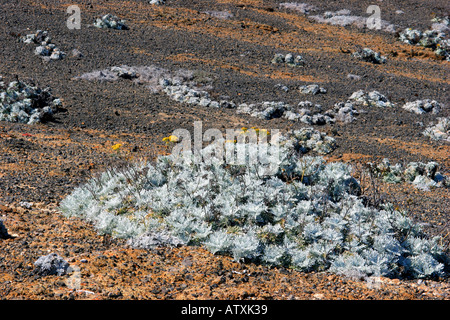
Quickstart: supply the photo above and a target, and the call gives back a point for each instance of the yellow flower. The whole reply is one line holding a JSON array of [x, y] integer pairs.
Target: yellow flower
[[244, 129], [264, 131], [170, 139], [116, 146]]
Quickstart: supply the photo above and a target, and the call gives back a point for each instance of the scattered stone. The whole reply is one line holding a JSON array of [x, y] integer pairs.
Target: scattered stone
[[289, 60], [125, 73], [353, 77], [157, 2], [39, 37], [312, 89], [281, 87], [46, 50], [51, 264], [369, 55], [343, 111], [220, 14], [110, 21], [300, 7], [423, 106], [344, 18], [3, 231], [21, 102], [26, 205], [77, 54], [440, 131], [266, 110], [371, 99], [49, 52]]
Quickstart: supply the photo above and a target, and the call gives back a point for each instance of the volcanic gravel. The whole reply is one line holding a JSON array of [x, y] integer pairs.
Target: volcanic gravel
[[230, 55]]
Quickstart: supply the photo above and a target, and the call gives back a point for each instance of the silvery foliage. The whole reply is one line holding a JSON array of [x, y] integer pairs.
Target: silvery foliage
[[369, 55], [46, 50], [346, 111], [312, 89], [307, 139], [306, 112], [300, 7], [304, 214], [422, 175], [21, 102], [110, 21], [344, 18], [370, 99], [51, 264], [439, 131], [435, 38], [423, 106], [289, 60], [219, 14]]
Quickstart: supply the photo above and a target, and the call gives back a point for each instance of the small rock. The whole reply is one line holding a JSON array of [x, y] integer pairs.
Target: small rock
[[312, 89], [369, 55], [3, 231], [51, 264]]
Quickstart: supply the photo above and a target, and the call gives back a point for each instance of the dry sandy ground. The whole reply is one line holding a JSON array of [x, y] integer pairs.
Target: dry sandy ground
[[43, 163]]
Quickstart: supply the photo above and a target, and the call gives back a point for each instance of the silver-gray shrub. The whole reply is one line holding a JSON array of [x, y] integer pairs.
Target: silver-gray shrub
[[306, 214]]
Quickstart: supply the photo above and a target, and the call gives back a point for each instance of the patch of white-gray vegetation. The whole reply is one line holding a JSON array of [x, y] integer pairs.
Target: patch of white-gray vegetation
[[282, 87], [110, 21], [369, 55], [435, 38], [423, 106], [300, 7], [344, 18], [3, 231], [46, 50], [311, 89], [304, 213], [182, 87], [220, 14], [153, 77], [306, 112], [423, 176], [307, 139], [77, 54], [26, 103], [51, 264], [370, 99], [343, 112], [265, 110], [439, 131], [289, 60], [354, 77], [154, 239]]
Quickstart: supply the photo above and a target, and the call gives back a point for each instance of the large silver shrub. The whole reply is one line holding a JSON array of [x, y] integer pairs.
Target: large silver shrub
[[306, 214]]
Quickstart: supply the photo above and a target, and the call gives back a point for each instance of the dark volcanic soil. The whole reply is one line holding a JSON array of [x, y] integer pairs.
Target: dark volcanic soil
[[43, 163]]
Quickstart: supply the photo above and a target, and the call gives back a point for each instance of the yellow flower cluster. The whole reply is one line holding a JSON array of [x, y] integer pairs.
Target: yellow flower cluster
[[171, 139], [258, 131], [116, 146]]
